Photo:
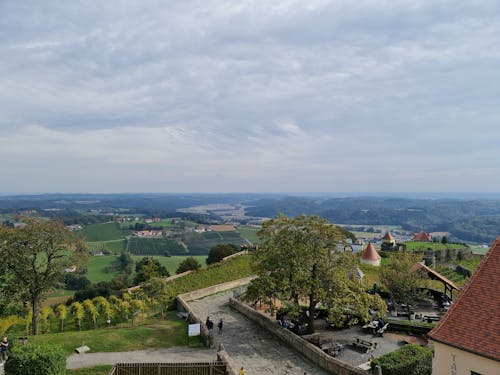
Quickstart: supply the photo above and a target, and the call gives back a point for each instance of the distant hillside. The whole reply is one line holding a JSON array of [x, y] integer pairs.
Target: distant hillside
[[466, 220]]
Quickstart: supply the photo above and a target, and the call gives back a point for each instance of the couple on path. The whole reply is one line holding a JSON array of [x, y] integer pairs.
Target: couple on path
[[210, 325]]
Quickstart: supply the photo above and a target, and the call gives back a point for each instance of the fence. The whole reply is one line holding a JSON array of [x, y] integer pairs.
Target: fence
[[193, 368]]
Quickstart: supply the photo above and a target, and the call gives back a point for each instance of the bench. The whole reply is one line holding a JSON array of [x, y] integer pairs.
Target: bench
[[365, 344], [430, 317], [332, 348]]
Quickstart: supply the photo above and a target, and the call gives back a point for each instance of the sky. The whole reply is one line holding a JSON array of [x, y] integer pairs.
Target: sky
[[249, 96]]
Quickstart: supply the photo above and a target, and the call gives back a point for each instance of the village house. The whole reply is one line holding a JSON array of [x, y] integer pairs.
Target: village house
[[148, 233], [467, 338], [422, 236]]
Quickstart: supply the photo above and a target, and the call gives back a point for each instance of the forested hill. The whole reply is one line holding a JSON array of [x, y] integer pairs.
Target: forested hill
[[467, 220]]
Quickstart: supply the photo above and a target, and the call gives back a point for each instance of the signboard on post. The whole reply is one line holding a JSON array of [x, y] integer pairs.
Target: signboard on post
[[194, 329]]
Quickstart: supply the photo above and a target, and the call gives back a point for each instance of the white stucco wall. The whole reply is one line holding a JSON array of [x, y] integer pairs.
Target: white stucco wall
[[451, 361]]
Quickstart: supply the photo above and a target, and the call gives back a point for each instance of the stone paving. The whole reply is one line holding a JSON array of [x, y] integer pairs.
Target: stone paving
[[249, 345]]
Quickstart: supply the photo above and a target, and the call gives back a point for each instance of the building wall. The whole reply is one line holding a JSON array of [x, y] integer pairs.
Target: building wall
[[451, 361]]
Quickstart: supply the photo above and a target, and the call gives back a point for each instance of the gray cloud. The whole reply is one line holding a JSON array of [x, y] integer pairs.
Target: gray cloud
[[248, 96]]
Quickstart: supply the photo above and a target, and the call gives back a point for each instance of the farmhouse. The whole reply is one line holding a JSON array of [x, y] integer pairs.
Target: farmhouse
[[422, 236], [467, 339], [148, 233]]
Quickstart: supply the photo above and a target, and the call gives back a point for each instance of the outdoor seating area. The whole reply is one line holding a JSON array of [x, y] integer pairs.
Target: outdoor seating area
[[365, 344], [354, 345]]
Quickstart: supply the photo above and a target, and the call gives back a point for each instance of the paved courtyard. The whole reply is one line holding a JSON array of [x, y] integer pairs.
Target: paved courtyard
[[249, 345]]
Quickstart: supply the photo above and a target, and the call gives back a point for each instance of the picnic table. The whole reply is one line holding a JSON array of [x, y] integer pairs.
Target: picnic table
[[430, 317], [368, 345]]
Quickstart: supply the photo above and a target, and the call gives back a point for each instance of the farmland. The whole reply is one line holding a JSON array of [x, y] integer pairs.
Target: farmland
[[179, 238], [98, 264], [101, 232]]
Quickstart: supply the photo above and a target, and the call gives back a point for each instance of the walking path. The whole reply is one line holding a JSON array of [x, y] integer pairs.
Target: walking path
[[248, 344]]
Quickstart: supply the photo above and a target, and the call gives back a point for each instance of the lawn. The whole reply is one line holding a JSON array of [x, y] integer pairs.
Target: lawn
[[153, 333], [97, 265]]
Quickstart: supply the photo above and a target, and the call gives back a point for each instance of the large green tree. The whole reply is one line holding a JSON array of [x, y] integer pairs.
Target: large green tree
[[36, 256], [147, 268], [298, 264], [403, 284], [188, 264], [220, 251]]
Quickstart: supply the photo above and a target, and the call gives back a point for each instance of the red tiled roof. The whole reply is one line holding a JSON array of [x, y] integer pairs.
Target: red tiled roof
[[389, 237], [421, 236], [370, 253], [434, 275], [473, 322]]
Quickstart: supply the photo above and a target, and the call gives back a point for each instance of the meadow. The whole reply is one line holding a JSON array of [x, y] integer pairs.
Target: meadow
[[97, 265], [101, 232]]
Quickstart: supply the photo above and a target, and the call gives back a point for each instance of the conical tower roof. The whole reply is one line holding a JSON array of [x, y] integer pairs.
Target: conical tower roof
[[370, 253], [389, 237]]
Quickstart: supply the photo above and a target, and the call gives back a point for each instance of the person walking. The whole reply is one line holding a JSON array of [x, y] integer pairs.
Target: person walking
[[219, 326], [4, 346], [242, 371]]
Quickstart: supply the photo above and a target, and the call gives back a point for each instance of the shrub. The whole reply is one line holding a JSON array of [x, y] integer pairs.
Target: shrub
[[410, 359], [187, 265], [46, 359], [220, 251]]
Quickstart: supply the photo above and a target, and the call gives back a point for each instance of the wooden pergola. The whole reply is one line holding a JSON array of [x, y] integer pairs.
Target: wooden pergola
[[449, 286]]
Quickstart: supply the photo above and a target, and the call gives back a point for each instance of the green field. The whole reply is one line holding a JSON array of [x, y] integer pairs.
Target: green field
[[249, 232], [422, 246], [201, 243], [111, 246], [97, 265], [155, 246], [101, 232]]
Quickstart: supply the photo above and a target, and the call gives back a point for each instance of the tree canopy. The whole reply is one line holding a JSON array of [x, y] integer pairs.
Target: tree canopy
[[188, 264], [147, 268], [403, 284], [36, 256], [220, 251], [298, 264]]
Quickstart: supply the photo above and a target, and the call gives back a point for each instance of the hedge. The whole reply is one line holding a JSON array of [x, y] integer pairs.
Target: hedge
[[46, 359], [410, 359]]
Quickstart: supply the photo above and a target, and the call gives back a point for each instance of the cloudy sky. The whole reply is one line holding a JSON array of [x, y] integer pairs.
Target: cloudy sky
[[249, 96]]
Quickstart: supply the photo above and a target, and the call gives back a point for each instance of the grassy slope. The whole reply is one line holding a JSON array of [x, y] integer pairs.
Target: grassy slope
[[233, 269]]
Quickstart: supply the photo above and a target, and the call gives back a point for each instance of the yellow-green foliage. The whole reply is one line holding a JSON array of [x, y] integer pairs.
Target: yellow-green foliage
[[8, 322]]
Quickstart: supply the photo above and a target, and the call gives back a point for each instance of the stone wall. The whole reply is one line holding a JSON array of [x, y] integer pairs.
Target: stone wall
[[231, 368], [310, 351]]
